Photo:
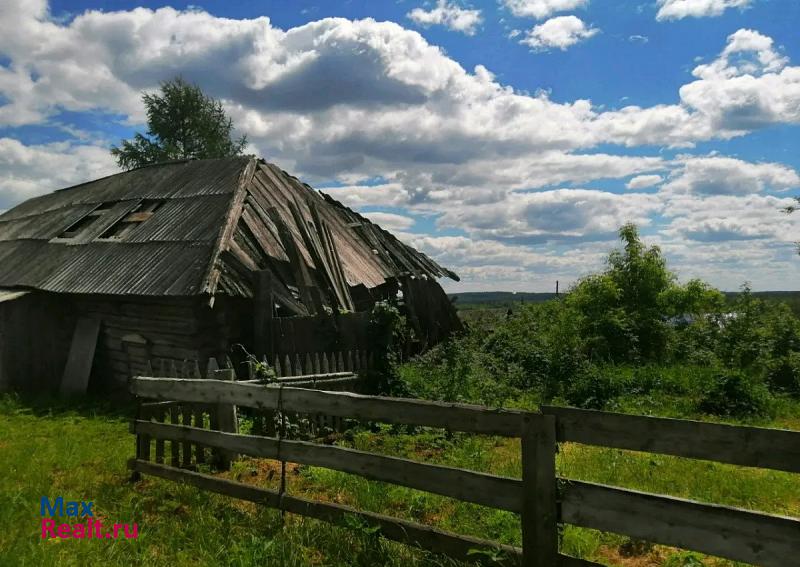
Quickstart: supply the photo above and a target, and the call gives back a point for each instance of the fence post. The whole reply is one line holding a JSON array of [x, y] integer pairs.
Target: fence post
[[226, 418], [539, 508], [142, 441]]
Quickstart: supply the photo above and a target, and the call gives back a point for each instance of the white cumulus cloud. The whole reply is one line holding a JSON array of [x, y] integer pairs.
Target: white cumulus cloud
[[397, 125], [390, 221], [30, 170], [717, 175], [679, 9], [541, 9], [448, 14], [643, 181], [560, 32]]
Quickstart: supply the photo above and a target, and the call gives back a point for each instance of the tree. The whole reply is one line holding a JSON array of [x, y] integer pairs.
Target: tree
[[182, 123], [624, 310]]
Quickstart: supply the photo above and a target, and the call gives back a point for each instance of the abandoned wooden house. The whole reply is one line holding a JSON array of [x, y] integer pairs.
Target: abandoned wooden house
[[184, 261]]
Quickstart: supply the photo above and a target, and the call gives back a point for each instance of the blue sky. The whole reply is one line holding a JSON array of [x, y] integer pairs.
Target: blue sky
[[508, 139]]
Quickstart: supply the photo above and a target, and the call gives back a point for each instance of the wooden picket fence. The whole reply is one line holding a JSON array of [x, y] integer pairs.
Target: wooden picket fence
[[541, 498], [335, 375], [310, 363]]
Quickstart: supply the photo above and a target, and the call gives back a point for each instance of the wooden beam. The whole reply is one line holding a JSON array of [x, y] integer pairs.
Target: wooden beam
[[458, 547], [740, 535], [229, 226], [81, 357], [539, 507], [777, 449], [455, 417], [297, 263], [263, 313], [468, 486]]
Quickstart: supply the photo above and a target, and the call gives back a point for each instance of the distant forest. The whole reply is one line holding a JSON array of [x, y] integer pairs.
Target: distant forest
[[508, 299]]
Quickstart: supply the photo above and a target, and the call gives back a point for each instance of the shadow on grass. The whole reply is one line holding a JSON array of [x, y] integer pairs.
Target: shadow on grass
[[53, 405]]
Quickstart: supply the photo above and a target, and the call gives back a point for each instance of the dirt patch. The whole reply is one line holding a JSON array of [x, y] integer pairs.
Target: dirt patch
[[623, 557]]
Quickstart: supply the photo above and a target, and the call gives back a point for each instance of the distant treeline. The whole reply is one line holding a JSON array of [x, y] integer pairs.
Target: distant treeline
[[507, 299], [497, 299]]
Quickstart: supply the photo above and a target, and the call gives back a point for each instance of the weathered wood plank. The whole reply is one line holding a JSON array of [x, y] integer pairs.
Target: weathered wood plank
[[539, 506], [208, 482], [338, 384], [186, 447], [226, 231], [433, 539], [159, 416], [456, 417], [174, 416], [749, 446], [458, 547], [226, 418], [199, 450], [750, 537], [81, 356], [479, 488], [205, 391]]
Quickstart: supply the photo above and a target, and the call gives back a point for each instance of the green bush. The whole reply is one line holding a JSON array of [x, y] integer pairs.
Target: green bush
[[733, 393], [783, 374], [625, 311], [593, 388], [667, 340]]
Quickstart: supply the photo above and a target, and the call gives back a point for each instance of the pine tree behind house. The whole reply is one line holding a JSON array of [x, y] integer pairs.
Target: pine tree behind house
[[182, 123]]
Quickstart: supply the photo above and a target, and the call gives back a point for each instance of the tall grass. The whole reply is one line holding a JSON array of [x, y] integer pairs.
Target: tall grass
[[51, 450]]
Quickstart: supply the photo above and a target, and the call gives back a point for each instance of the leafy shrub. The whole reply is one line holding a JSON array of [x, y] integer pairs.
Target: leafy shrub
[[697, 343], [635, 314], [625, 310], [646, 380], [783, 374], [732, 393], [593, 388], [389, 334]]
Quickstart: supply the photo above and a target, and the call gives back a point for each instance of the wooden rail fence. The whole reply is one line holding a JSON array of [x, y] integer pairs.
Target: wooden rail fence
[[336, 377], [541, 498]]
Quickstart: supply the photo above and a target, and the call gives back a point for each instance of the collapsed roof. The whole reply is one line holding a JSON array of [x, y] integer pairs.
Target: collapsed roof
[[202, 227]]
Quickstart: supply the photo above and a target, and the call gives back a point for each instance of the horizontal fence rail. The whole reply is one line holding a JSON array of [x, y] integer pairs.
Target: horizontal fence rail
[[455, 417], [734, 444], [732, 533], [542, 500], [489, 490], [459, 547]]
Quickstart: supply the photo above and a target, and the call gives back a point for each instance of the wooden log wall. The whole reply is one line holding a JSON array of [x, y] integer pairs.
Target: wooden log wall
[[137, 332], [35, 337]]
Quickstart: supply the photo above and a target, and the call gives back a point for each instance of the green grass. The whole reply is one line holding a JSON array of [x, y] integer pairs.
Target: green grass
[[48, 448]]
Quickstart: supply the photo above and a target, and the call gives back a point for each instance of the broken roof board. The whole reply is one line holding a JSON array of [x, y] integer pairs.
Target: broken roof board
[[176, 250]]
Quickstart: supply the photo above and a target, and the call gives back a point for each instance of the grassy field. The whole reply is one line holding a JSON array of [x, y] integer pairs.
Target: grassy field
[[79, 452]]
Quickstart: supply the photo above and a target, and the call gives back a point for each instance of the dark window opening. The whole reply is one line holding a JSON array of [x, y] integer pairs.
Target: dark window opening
[[137, 216], [81, 224]]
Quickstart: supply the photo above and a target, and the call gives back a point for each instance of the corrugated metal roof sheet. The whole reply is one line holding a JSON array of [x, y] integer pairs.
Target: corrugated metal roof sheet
[[170, 250], [163, 181], [168, 254]]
